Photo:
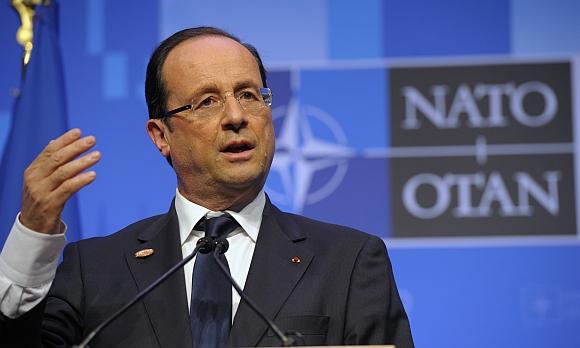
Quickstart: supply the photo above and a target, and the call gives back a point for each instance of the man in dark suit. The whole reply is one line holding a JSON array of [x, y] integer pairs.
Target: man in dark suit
[[332, 284]]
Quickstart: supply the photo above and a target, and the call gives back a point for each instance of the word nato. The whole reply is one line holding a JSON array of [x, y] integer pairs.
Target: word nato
[[465, 101]]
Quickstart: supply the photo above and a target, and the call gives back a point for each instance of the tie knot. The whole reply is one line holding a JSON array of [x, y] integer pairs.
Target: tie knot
[[219, 226]]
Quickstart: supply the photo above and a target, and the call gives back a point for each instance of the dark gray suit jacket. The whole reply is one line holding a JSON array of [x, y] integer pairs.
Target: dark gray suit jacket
[[342, 291]]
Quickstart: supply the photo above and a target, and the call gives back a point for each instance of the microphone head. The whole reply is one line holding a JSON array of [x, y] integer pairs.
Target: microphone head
[[222, 245], [206, 245]]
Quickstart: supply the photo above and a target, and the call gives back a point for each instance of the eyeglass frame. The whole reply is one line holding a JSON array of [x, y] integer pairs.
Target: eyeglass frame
[[265, 93]]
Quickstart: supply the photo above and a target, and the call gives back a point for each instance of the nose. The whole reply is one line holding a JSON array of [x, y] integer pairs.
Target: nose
[[234, 115]]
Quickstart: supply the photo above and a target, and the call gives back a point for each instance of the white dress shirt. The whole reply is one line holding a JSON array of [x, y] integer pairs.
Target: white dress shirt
[[27, 267], [242, 240], [29, 259]]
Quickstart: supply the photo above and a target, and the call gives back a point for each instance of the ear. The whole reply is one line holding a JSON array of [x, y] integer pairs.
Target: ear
[[158, 131]]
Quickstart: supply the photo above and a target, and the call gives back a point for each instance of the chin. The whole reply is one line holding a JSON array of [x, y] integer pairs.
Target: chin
[[243, 180]]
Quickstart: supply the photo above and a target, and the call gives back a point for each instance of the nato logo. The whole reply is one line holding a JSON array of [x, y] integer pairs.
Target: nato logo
[[492, 150], [372, 148], [327, 122]]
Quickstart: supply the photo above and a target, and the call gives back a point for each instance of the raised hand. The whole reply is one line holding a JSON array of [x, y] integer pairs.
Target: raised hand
[[53, 177]]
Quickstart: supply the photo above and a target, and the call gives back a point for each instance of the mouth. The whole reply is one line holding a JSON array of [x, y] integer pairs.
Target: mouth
[[237, 147]]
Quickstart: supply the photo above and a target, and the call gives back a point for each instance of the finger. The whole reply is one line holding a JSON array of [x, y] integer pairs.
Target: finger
[[63, 140], [43, 214], [70, 169], [49, 161], [63, 192]]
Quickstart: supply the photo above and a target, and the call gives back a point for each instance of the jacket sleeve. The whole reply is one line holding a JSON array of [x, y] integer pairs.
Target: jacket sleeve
[[375, 314], [24, 331], [62, 324]]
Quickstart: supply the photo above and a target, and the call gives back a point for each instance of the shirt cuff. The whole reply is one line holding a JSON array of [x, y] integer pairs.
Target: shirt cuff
[[30, 258]]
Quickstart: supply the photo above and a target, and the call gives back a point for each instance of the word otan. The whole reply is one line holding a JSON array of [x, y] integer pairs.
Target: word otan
[[461, 190]]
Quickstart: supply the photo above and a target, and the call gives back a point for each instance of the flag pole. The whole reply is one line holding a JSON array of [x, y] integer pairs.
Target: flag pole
[[25, 33]]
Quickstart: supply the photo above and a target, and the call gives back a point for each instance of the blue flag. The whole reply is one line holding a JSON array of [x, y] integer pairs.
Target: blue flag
[[39, 115]]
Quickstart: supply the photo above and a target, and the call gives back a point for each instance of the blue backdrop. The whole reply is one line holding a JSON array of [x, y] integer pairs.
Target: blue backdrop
[[330, 64]]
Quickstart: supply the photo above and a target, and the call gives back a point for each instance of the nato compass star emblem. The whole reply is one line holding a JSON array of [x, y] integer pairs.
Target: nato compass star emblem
[[308, 141]]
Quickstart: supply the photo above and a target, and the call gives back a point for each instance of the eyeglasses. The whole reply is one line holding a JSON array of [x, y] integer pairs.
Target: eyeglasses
[[250, 99]]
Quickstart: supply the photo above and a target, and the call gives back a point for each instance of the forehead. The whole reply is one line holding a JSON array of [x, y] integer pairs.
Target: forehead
[[208, 60]]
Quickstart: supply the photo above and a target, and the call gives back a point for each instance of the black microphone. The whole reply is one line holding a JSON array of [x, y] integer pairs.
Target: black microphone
[[204, 245], [220, 247]]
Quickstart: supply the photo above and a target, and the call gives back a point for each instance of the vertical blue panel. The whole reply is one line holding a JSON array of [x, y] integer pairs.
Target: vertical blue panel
[[115, 84], [355, 29], [4, 127], [446, 27], [545, 26], [95, 23]]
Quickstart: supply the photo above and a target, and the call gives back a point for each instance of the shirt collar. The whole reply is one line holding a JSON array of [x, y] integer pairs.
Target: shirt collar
[[249, 218]]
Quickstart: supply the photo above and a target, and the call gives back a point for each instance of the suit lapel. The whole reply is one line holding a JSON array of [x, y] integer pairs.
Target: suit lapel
[[272, 275], [166, 305]]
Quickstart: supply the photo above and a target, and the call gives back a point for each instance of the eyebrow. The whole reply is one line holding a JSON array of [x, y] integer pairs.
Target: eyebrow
[[209, 88], [213, 88], [245, 84]]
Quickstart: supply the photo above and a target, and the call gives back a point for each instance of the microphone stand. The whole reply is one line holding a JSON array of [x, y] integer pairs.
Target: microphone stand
[[204, 246], [221, 246]]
